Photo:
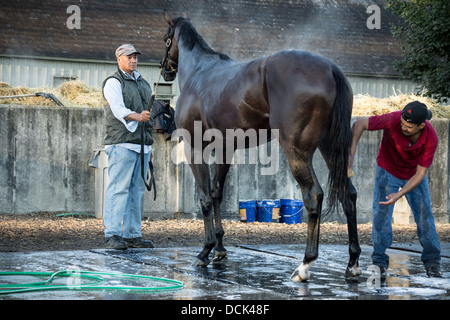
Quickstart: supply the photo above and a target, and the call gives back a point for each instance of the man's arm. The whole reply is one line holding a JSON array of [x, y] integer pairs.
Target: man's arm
[[144, 116], [358, 128], [113, 94], [410, 185]]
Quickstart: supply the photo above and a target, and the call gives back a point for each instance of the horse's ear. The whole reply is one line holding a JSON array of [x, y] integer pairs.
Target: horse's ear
[[186, 15], [168, 18]]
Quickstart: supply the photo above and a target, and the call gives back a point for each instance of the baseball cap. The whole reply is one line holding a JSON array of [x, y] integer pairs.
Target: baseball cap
[[126, 49], [416, 112]]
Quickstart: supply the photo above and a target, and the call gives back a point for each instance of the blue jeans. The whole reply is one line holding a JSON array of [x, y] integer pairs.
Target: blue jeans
[[124, 197], [420, 203]]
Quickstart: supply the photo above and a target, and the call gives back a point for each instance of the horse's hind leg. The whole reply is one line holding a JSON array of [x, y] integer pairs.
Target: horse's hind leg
[[220, 174], [349, 205], [301, 167], [202, 177]]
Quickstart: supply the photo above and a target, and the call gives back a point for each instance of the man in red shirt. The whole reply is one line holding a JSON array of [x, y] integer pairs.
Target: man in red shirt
[[406, 152]]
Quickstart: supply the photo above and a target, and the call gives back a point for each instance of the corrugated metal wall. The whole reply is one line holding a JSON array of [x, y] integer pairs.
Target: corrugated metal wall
[[46, 72], [37, 72], [380, 87]]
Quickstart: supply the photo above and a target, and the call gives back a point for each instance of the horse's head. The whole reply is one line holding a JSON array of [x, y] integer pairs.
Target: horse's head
[[169, 63]]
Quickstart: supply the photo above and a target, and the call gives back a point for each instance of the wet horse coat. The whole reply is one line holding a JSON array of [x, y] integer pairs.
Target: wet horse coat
[[305, 97]]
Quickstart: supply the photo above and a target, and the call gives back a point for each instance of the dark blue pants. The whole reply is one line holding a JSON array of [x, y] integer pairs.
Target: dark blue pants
[[420, 203]]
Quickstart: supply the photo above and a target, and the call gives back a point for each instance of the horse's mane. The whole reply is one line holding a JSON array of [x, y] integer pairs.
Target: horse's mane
[[191, 38]]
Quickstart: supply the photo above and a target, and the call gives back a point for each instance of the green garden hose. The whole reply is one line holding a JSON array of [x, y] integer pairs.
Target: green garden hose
[[76, 214], [75, 276]]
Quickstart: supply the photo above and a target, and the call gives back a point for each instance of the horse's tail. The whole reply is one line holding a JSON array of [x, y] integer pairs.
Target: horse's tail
[[340, 135]]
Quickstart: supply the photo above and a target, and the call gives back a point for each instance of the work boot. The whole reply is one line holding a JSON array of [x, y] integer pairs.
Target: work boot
[[138, 243], [434, 271], [115, 242], [383, 273]]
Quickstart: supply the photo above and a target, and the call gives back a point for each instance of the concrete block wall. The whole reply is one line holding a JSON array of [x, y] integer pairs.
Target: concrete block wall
[[43, 158], [45, 155]]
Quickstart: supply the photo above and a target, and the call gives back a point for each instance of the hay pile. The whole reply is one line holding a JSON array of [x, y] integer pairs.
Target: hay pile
[[77, 94], [7, 90], [366, 106], [71, 93]]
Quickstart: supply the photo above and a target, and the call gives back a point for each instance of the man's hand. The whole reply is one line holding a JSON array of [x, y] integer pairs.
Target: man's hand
[[144, 116], [391, 199], [416, 179], [350, 172]]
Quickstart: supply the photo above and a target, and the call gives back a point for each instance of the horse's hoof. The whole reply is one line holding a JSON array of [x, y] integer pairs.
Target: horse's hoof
[[200, 263], [301, 274], [219, 257], [298, 276], [352, 273]]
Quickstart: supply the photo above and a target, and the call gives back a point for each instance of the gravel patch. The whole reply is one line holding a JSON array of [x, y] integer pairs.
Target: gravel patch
[[48, 232]]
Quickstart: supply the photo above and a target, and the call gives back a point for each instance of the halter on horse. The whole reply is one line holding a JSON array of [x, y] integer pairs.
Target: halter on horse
[[303, 96]]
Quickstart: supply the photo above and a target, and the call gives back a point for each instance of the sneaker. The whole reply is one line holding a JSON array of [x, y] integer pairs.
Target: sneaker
[[138, 243], [115, 242], [434, 271]]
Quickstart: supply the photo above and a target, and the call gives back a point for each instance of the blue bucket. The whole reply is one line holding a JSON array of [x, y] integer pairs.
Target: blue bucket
[[268, 210], [247, 210], [291, 211]]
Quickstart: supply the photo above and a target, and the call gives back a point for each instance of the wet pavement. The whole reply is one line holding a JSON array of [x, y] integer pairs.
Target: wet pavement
[[251, 272]]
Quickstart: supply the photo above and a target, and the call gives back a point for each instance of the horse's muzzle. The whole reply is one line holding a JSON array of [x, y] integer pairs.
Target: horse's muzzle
[[169, 75], [169, 69]]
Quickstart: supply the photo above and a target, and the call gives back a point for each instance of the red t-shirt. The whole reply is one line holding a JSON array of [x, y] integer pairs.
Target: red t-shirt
[[396, 156]]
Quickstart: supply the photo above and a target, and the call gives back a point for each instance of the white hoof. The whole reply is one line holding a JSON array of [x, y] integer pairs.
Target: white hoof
[[301, 274], [356, 271], [353, 272]]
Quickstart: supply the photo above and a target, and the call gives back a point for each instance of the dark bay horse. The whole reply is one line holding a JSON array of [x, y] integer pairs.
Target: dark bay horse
[[305, 97]]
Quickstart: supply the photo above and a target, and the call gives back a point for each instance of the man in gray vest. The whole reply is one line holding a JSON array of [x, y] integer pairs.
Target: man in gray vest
[[128, 96]]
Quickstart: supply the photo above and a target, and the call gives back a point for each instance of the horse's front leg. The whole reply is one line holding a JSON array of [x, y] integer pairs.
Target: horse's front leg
[[201, 175], [220, 173], [210, 238]]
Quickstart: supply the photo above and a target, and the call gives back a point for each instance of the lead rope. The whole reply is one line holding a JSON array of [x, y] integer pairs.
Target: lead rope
[[148, 184]]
